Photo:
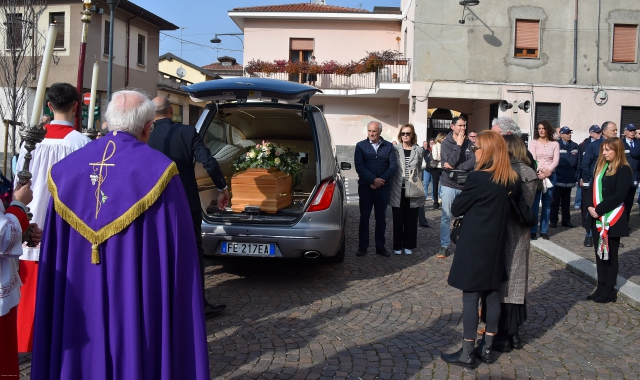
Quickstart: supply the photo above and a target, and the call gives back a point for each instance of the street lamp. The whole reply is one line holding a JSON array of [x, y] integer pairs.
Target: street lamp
[[216, 40], [465, 7]]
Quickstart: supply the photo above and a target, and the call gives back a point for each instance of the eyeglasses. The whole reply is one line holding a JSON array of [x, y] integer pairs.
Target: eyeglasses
[[473, 136], [474, 148], [406, 133]]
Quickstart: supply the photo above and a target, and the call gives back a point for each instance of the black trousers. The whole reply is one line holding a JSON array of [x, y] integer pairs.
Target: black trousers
[[470, 312], [405, 225], [196, 217], [376, 199], [628, 201], [561, 200], [435, 177], [607, 269]]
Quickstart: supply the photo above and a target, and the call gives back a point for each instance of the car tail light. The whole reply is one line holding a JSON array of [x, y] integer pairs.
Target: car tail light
[[324, 196]]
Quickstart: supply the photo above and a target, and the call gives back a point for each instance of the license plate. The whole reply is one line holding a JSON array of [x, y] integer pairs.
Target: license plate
[[258, 249]]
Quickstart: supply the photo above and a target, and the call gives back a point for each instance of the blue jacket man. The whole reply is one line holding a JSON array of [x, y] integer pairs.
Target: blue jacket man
[[565, 178], [376, 163], [632, 152]]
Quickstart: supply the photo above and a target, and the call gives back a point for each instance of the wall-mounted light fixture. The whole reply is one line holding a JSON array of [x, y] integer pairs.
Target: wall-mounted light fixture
[[465, 7]]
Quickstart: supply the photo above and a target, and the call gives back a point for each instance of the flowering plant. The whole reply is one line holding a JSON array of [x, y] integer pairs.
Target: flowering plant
[[269, 155]]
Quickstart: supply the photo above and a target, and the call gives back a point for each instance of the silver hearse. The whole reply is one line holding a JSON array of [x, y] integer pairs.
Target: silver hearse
[[242, 113]]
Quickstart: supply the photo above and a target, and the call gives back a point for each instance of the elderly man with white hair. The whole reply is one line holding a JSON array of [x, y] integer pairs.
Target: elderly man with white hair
[[118, 261]]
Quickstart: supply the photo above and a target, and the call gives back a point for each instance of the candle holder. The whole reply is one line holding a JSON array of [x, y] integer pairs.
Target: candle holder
[[90, 133], [31, 136]]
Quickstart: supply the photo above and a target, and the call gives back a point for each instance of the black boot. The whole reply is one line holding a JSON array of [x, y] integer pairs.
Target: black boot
[[597, 292], [516, 342], [501, 343], [464, 357], [606, 296], [485, 351]]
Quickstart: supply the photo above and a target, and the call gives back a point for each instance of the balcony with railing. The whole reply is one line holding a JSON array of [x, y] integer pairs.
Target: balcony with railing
[[390, 72], [170, 82]]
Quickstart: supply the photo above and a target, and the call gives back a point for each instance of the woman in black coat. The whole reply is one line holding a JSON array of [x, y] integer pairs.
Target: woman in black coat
[[605, 204], [478, 265]]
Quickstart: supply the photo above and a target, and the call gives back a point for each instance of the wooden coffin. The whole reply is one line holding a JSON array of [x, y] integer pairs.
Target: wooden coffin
[[270, 189]]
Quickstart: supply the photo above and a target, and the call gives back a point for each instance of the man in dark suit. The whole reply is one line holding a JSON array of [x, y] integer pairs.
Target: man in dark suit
[[181, 143], [376, 162], [632, 151]]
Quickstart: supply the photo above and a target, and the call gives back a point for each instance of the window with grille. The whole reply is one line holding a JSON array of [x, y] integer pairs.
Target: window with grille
[[549, 112], [527, 42], [625, 41], [107, 31], [141, 49], [14, 31], [58, 19]]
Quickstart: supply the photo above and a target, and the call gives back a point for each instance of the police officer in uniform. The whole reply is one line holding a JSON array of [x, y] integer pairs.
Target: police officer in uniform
[[565, 179]]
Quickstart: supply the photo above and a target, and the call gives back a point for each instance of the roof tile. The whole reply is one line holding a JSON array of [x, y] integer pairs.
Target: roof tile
[[301, 7]]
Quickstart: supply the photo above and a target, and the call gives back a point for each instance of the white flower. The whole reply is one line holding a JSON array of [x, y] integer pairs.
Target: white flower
[[252, 154], [279, 151], [277, 161]]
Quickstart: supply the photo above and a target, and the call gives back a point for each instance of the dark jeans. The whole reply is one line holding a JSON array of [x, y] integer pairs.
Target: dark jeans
[[405, 225], [607, 269], [196, 217], [583, 210], [376, 199], [435, 177], [561, 199], [628, 201], [470, 312]]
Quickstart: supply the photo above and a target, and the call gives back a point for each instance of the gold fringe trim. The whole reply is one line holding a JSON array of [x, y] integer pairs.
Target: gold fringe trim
[[123, 221]]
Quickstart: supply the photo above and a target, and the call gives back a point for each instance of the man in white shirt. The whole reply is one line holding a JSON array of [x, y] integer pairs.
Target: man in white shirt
[[60, 141]]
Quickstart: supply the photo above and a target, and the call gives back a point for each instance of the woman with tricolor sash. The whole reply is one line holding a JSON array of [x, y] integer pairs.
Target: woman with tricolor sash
[[605, 204]]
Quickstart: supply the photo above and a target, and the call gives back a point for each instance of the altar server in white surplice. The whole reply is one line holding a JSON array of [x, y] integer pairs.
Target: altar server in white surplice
[[60, 141]]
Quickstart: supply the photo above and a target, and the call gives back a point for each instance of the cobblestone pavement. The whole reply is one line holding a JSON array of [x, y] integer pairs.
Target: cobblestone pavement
[[389, 318]]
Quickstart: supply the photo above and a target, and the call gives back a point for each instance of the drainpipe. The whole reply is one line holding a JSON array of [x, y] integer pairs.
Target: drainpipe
[[574, 80], [126, 75]]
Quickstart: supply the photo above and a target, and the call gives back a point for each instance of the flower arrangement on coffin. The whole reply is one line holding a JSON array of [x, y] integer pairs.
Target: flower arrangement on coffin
[[268, 155]]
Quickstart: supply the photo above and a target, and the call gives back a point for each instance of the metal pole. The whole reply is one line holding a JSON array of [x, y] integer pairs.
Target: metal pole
[[113, 4], [6, 146], [86, 19]]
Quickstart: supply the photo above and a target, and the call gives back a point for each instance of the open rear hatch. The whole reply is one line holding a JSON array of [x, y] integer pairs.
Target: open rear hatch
[[228, 129]]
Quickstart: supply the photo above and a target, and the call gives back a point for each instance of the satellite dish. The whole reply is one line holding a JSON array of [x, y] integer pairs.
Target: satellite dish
[[504, 106], [181, 72]]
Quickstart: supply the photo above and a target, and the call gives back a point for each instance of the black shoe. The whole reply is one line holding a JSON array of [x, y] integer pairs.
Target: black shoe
[[455, 359], [568, 225], [211, 310], [596, 293], [606, 297], [382, 251], [500, 344], [436, 206], [425, 225], [544, 236], [516, 342], [534, 236], [553, 225], [588, 241], [361, 252]]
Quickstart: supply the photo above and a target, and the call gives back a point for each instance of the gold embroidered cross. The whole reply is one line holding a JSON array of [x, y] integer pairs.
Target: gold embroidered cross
[[100, 196]]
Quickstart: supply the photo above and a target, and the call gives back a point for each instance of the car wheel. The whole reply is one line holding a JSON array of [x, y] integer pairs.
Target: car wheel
[[339, 257]]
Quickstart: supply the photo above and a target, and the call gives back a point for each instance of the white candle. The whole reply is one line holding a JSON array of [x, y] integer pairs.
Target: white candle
[[94, 89], [44, 73]]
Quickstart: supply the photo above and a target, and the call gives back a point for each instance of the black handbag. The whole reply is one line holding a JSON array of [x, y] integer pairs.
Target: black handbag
[[458, 176], [455, 230], [524, 212]]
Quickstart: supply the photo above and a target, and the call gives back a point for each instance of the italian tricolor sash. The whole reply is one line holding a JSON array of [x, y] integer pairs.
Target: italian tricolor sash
[[607, 220]]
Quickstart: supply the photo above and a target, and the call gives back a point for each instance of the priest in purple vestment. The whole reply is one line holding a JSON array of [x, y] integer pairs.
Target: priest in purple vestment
[[119, 293]]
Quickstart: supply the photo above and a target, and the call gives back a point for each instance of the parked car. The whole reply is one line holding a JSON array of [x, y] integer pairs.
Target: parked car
[[242, 113]]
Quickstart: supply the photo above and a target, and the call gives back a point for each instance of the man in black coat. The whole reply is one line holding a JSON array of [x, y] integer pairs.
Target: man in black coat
[[632, 152], [181, 143], [376, 163], [565, 179]]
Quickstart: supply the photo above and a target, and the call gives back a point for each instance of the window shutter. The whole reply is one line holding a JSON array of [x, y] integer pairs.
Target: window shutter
[[549, 112], [302, 44], [527, 34], [624, 43], [630, 115]]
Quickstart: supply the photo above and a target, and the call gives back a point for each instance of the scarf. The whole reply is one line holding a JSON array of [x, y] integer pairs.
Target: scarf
[[607, 220]]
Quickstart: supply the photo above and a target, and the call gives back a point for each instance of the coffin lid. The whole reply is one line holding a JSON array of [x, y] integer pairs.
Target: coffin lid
[[250, 88]]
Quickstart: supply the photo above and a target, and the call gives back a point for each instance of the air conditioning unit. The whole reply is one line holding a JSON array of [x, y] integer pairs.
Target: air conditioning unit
[[321, 2]]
